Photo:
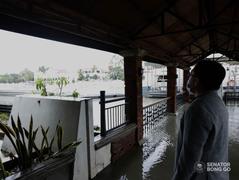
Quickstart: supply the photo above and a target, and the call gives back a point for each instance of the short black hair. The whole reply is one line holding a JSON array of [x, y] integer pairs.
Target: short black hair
[[210, 74]]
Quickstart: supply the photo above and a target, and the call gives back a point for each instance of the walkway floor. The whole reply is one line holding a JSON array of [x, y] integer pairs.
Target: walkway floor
[[155, 159]]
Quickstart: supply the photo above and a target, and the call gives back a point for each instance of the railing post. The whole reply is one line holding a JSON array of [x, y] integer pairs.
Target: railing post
[[102, 114], [126, 111]]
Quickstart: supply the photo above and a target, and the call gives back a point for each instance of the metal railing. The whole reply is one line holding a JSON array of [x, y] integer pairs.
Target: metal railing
[[5, 108], [152, 114], [231, 97], [179, 100], [111, 117]]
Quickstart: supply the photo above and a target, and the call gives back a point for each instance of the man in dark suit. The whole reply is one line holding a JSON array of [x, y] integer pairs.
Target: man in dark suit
[[202, 146]]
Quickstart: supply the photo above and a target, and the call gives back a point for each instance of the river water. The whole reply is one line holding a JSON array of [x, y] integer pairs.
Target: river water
[[85, 88]]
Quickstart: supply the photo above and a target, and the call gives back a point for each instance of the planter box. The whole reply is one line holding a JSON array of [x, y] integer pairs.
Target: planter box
[[60, 168], [76, 120]]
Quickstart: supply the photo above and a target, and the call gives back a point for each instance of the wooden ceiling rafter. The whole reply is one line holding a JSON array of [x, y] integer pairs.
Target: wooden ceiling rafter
[[184, 21], [161, 18], [231, 27], [75, 30], [167, 32], [151, 20]]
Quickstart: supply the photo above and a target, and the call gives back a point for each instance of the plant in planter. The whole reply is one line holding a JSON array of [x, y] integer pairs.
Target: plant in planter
[[3, 172], [75, 94], [96, 130], [27, 152], [41, 86], [4, 117], [61, 82], [41, 83]]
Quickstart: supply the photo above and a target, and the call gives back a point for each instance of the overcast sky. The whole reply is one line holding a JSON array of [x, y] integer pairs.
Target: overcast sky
[[18, 52]]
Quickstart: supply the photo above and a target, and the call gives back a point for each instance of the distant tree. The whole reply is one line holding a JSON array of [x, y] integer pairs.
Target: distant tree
[[116, 72], [95, 77], [27, 75], [11, 78], [43, 69], [87, 77], [81, 76], [3, 79]]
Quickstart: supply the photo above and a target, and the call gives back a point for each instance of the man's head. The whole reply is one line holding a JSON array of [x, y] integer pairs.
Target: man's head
[[206, 76]]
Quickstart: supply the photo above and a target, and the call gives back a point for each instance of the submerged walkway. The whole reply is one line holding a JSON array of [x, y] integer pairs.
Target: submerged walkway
[[155, 159]]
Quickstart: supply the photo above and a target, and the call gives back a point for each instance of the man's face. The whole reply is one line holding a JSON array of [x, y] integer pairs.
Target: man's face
[[193, 83]]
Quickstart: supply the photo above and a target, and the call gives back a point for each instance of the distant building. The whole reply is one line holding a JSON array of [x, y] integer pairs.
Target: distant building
[[156, 78], [91, 72]]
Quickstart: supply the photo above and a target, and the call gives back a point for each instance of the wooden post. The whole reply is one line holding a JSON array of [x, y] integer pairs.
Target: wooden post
[[171, 89], [133, 92]]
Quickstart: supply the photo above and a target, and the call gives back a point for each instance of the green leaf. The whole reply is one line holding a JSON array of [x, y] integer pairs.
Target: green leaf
[[51, 144], [59, 137], [19, 125], [24, 146], [7, 130], [71, 145], [45, 139]]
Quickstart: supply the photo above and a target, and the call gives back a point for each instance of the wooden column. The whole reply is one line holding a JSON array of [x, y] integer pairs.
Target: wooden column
[[133, 92], [171, 89]]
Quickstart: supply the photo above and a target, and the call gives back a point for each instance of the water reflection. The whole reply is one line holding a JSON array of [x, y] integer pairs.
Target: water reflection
[[233, 109], [233, 123], [154, 147]]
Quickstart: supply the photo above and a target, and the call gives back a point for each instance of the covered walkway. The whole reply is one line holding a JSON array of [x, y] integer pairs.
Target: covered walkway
[[155, 159], [176, 34]]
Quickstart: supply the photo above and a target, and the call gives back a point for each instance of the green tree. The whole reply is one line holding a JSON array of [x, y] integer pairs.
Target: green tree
[[3, 79], [116, 72], [81, 76], [87, 77], [41, 86], [27, 75], [95, 77], [43, 69], [11, 78], [61, 82]]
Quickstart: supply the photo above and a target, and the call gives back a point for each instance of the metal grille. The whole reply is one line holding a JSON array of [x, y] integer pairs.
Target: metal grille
[[153, 113]]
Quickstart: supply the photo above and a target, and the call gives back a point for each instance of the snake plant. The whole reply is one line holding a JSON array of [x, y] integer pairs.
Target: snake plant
[[23, 141]]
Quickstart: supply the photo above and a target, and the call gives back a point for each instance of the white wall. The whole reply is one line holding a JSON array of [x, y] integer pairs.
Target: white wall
[[47, 111], [76, 118]]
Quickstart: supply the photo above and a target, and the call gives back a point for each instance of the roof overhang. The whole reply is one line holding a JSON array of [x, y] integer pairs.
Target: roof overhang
[[171, 32]]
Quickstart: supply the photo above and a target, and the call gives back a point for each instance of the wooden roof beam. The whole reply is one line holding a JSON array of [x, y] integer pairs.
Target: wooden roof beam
[[184, 21], [151, 20]]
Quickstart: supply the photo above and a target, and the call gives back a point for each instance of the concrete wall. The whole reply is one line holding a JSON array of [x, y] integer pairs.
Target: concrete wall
[[76, 117], [102, 158], [47, 111]]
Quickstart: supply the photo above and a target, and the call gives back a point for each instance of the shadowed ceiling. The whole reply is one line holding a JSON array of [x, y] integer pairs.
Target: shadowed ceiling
[[171, 32]]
